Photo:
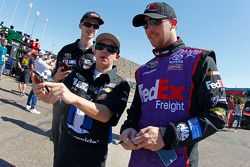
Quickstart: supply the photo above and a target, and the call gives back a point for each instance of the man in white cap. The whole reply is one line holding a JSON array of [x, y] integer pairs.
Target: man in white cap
[[94, 100], [40, 66]]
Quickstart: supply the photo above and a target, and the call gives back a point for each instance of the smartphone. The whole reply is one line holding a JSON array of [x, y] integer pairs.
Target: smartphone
[[64, 65], [167, 156], [39, 79]]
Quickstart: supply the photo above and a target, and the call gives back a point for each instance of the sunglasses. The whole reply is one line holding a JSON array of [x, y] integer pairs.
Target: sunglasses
[[152, 22], [110, 48], [88, 24]]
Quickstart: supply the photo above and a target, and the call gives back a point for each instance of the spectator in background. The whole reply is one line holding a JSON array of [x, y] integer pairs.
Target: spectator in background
[[25, 64], [3, 53], [239, 106], [40, 66], [230, 107]]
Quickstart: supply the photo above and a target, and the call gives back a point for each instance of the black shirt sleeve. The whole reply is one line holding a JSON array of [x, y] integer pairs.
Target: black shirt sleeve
[[133, 113], [116, 101]]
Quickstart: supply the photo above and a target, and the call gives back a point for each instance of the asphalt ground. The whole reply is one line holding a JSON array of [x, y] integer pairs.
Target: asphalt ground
[[24, 137]]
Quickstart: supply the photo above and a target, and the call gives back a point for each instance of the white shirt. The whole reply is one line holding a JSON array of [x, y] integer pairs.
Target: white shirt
[[41, 67]]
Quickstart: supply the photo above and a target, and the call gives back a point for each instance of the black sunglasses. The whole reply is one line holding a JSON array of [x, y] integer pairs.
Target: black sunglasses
[[88, 24], [110, 48], [152, 22]]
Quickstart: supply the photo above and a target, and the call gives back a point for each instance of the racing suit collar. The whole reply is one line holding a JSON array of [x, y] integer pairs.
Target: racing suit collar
[[170, 49]]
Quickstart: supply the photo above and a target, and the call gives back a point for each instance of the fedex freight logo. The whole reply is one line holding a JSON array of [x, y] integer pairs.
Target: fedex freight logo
[[166, 96], [211, 85], [162, 91]]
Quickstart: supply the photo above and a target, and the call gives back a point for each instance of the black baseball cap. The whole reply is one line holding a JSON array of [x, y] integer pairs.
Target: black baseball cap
[[156, 10], [92, 15]]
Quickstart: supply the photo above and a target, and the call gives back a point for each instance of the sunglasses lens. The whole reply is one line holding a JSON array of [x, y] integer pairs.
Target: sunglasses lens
[[110, 48], [155, 22], [152, 22], [99, 46], [88, 24], [95, 26]]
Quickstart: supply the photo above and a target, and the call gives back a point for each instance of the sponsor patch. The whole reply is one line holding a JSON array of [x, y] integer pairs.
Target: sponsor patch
[[176, 59], [82, 85], [107, 89], [175, 67], [195, 128], [111, 85], [68, 55], [217, 99], [152, 64], [217, 84], [175, 63], [219, 111], [213, 73], [182, 131], [149, 72], [80, 77]]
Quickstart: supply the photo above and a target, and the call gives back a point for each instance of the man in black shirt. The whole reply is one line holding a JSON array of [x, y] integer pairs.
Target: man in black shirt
[[93, 101], [25, 64], [77, 55]]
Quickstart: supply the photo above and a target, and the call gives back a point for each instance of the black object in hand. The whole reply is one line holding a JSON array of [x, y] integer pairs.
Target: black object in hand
[[39, 79], [64, 65]]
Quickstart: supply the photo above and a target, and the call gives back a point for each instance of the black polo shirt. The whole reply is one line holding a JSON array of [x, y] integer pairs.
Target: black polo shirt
[[108, 89], [75, 57]]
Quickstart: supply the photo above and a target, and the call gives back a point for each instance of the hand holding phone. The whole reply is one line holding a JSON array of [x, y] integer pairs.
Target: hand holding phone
[[39, 79], [64, 65]]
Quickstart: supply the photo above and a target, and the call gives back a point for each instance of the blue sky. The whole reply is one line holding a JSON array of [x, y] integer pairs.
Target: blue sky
[[219, 25]]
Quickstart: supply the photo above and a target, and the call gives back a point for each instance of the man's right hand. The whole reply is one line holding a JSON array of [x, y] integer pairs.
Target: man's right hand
[[127, 138], [60, 74]]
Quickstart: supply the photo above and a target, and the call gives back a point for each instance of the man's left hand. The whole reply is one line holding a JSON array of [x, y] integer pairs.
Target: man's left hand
[[150, 138]]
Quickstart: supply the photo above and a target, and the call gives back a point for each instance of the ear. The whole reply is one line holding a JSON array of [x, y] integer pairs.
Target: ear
[[174, 22], [117, 56], [80, 26]]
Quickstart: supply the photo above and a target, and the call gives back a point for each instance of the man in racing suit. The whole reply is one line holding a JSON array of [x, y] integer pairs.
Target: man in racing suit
[[179, 98]]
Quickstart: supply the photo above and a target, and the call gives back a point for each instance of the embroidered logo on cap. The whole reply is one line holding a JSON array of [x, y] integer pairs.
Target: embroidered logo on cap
[[94, 14], [151, 8]]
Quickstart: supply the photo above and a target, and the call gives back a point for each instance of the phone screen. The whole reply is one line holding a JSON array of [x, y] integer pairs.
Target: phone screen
[[167, 156]]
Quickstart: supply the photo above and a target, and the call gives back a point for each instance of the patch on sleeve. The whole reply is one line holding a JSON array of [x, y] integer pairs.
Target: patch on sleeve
[[195, 128], [213, 73], [182, 131], [219, 111]]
